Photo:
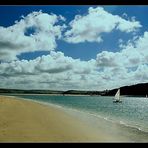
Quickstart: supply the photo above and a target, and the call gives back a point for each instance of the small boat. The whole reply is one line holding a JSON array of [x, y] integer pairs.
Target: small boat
[[117, 98]]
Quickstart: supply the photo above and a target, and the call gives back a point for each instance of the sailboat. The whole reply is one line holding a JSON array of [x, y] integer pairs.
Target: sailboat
[[117, 97]]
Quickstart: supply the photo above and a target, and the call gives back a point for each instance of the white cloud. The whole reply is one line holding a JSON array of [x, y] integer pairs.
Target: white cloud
[[127, 25], [56, 71], [54, 63], [131, 54], [53, 71], [108, 59], [91, 26], [126, 67], [35, 32], [141, 74]]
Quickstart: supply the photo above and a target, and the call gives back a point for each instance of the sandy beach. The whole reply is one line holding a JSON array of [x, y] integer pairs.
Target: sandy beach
[[28, 121]]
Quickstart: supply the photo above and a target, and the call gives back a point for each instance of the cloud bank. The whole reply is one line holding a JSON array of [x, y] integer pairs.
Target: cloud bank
[[39, 31]]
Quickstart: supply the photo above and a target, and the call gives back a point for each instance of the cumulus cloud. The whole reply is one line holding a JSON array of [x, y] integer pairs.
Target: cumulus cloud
[[37, 31], [131, 54], [56, 62], [128, 66], [56, 71], [91, 26], [53, 71], [108, 59]]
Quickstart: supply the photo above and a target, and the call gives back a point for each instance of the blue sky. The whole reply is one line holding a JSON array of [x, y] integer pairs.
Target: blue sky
[[123, 33], [84, 51]]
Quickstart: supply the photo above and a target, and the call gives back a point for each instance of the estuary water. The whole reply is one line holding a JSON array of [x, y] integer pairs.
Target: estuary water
[[132, 112]]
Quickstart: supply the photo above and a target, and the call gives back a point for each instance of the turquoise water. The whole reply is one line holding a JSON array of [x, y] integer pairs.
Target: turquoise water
[[133, 111]]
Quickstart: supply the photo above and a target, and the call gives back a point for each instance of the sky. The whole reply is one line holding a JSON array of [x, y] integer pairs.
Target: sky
[[73, 47]]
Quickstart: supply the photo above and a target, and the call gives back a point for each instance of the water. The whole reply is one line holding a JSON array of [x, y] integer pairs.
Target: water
[[133, 111]]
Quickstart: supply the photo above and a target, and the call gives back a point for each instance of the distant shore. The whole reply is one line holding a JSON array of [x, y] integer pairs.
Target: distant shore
[[28, 121], [15, 94], [23, 94]]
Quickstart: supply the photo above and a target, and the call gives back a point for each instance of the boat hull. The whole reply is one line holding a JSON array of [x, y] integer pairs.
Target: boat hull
[[117, 101]]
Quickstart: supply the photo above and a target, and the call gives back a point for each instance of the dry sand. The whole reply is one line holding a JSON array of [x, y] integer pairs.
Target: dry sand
[[28, 121]]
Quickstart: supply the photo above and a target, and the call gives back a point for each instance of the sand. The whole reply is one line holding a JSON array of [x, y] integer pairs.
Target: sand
[[28, 121]]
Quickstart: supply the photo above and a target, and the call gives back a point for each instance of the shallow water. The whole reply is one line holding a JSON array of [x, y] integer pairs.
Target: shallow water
[[132, 112]]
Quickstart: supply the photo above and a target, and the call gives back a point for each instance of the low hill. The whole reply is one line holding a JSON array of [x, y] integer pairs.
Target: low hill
[[19, 91], [133, 90]]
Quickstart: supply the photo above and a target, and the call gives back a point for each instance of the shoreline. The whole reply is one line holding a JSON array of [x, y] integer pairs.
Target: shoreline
[[84, 130], [64, 108], [22, 94], [27, 121], [3, 94], [90, 114]]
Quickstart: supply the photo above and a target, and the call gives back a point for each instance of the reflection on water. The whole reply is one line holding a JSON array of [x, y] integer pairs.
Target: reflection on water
[[132, 111]]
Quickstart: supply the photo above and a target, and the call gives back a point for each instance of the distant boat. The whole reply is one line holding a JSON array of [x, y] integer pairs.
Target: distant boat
[[117, 97], [146, 96]]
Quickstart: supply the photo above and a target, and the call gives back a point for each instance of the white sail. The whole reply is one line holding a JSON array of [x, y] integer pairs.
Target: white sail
[[117, 95]]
